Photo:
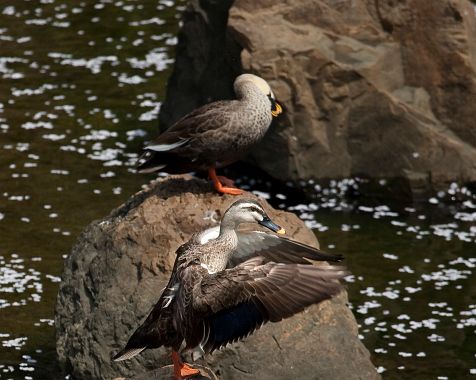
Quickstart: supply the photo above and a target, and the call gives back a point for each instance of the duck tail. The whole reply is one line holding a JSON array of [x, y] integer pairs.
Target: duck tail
[[127, 353], [148, 163]]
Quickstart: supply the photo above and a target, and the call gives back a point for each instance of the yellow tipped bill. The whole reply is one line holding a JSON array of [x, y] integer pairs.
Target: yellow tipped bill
[[277, 109], [268, 223]]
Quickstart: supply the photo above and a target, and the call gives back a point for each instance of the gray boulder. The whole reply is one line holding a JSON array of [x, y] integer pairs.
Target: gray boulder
[[119, 265], [380, 89]]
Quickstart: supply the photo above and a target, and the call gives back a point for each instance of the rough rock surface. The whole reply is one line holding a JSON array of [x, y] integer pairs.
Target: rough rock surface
[[117, 268], [382, 88]]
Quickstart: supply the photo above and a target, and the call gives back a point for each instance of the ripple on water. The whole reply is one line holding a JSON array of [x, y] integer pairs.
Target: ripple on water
[[77, 102], [428, 261], [74, 112], [19, 284]]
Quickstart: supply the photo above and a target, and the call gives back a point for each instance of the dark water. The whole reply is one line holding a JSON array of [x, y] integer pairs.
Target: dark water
[[81, 85], [413, 287]]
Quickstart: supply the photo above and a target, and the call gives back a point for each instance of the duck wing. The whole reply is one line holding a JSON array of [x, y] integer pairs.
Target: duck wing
[[237, 301], [206, 118], [276, 248], [155, 331], [158, 328], [176, 148]]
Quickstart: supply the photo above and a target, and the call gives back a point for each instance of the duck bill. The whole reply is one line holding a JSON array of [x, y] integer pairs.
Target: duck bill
[[268, 223], [276, 110]]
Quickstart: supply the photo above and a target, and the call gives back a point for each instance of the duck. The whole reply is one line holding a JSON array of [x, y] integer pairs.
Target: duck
[[215, 135], [227, 282]]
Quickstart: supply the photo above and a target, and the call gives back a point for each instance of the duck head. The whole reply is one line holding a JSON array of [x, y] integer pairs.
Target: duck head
[[248, 211], [244, 80]]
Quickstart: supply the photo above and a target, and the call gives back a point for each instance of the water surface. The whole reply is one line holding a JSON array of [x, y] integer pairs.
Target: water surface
[[81, 85], [412, 288]]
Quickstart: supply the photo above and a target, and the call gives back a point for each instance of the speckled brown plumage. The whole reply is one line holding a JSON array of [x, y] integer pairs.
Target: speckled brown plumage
[[215, 134], [225, 284]]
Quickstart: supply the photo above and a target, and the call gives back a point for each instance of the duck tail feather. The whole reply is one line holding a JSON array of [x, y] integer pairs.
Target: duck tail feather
[[151, 169], [127, 353]]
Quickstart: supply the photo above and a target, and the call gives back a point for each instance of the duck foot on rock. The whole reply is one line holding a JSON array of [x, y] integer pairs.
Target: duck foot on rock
[[182, 370], [220, 181]]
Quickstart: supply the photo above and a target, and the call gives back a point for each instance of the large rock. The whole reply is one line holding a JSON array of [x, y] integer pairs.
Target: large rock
[[383, 89], [117, 268]]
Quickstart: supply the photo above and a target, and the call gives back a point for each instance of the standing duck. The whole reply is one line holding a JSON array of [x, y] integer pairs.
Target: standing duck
[[215, 134], [226, 283]]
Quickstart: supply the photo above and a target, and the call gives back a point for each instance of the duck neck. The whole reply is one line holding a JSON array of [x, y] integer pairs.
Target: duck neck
[[224, 245], [228, 235], [228, 224]]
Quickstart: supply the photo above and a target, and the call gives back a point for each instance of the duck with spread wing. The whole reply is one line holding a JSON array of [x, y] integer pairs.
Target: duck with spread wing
[[226, 283]]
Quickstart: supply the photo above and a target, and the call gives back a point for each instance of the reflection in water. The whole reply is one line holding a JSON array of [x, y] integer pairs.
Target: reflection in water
[[81, 83]]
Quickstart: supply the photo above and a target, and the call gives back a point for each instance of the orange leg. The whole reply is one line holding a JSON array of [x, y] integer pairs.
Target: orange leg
[[218, 185], [181, 369]]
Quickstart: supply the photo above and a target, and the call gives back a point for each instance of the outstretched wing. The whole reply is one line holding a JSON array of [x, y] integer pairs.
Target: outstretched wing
[[237, 301], [276, 248], [269, 246]]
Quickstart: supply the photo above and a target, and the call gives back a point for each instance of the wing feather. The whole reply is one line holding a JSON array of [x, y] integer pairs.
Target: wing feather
[[240, 299], [277, 249], [208, 117], [178, 149]]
